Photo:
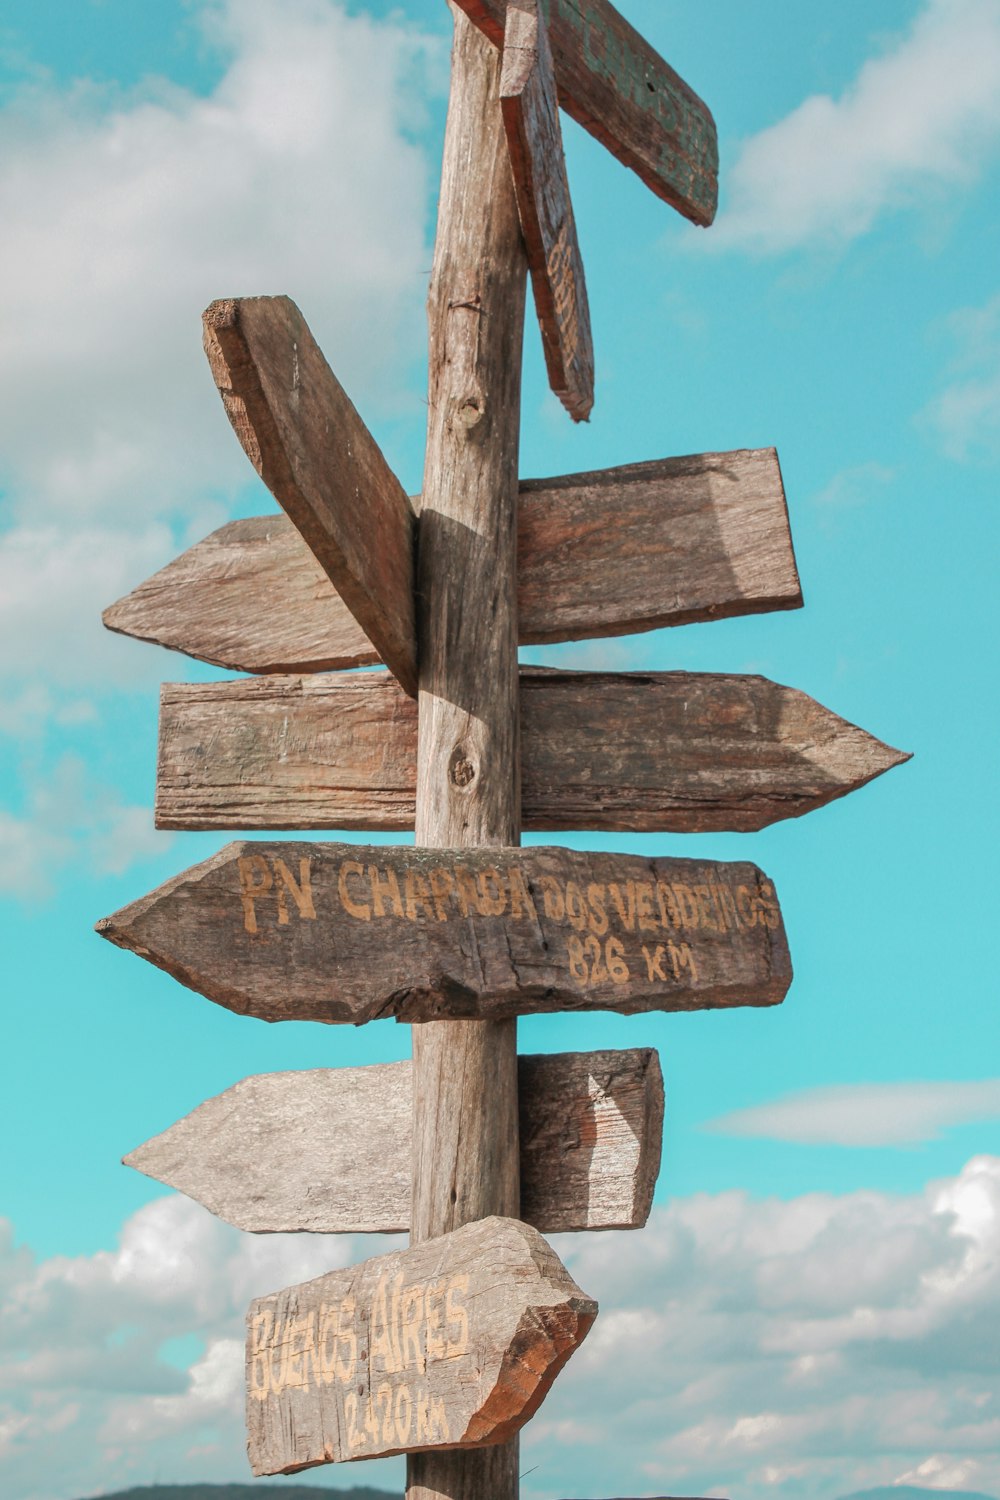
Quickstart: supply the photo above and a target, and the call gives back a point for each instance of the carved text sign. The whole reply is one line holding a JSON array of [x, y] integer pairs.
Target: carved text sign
[[453, 1343], [343, 932]]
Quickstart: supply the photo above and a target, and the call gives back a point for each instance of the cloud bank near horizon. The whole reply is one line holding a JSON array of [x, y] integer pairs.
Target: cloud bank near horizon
[[759, 1347]]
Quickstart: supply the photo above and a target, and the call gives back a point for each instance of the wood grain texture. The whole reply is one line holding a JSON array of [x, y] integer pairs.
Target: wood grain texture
[[450, 1344], [607, 553], [534, 138], [681, 752], [465, 1158], [350, 933], [317, 457], [616, 86], [328, 1151]]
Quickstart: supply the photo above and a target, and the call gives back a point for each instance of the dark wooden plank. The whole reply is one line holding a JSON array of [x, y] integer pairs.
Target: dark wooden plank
[[683, 752], [616, 86], [534, 138], [328, 1151], [453, 1343], [607, 553], [347, 933], [317, 457]]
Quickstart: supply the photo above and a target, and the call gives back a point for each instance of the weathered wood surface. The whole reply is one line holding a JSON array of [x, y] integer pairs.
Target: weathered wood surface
[[613, 552], [328, 1151], [534, 138], [349, 933], [616, 86], [682, 752], [466, 1161], [317, 457], [452, 1343]]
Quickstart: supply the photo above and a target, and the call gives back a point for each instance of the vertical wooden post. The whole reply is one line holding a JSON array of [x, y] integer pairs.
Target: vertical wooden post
[[465, 1153]]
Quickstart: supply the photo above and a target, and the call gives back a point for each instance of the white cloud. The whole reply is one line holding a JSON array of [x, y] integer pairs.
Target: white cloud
[[764, 1348], [966, 413], [867, 1114], [854, 486], [917, 120], [123, 216], [70, 819]]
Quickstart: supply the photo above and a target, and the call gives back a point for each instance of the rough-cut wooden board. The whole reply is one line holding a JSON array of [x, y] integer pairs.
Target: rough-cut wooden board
[[317, 457], [612, 81], [328, 1151], [682, 752], [350, 933], [453, 1343], [534, 139], [599, 554]]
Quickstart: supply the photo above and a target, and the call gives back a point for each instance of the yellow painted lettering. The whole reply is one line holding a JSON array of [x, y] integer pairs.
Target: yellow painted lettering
[[381, 887], [250, 889], [442, 887], [417, 894], [456, 1314], [361, 910], [300, 890]]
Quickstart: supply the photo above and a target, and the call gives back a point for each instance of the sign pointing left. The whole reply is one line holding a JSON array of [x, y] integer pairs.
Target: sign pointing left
[[344, 933]]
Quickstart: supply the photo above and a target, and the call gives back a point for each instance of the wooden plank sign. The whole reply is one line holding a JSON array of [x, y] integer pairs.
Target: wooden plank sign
[[607, 553], [534, 139], [616, 86], [328, 1150], [317, 457], [451, 1344], [683, 752], [344, 933]]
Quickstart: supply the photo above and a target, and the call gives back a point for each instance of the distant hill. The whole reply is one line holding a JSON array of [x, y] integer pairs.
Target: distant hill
[[259, 1491], [914, 1492], [265, 1491]]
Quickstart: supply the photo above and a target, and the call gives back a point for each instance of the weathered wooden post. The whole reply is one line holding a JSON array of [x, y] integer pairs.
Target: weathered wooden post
[[445, 1350], [466, 1163]]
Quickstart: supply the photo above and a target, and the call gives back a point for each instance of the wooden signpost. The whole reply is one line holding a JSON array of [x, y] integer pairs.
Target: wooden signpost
[[680, 752], [345, 933], [601, 554], [531, 119], [451, 1344], [444, 1350], [328, 1150]]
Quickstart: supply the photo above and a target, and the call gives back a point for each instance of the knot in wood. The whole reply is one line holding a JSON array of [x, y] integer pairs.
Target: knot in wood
[[469, 413], [461, 769]]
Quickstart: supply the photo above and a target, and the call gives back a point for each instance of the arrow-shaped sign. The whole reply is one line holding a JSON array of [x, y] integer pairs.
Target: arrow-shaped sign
[[616, 86], [684, 752], [451, 1344], [329, 1150], [312, 450], [599, 554], [341, 932], [534, 139]]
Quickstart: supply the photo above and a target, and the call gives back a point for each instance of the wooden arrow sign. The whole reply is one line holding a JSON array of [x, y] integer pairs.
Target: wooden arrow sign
[[321, 463], [616, 86], [451, 1344], [341, 932], [600, 554], [328, 1151], [683, 752], [534, 139]]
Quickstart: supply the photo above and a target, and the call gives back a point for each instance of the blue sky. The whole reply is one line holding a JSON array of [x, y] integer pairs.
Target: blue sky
[[846, 309]]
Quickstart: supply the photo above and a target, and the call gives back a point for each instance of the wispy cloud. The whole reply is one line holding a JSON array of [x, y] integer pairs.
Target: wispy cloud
[[124, 215], [71, 819], [867, 1114], [918, 119], [766, 1348], [966, 413]]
